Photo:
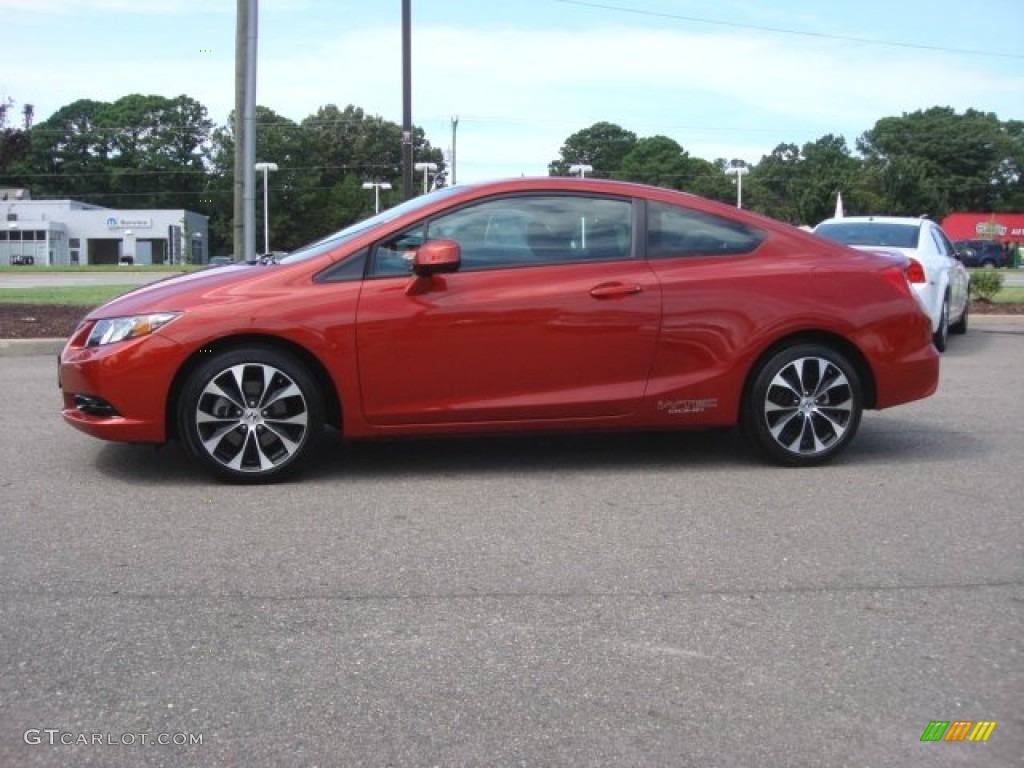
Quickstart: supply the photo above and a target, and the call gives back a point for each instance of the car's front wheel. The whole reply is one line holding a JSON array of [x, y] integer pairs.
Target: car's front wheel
[[250, 413], [804, 405]]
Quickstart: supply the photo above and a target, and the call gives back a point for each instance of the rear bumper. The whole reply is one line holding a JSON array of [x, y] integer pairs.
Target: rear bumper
[[913, 377]]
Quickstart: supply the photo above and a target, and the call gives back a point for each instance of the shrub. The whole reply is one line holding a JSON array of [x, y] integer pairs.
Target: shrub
[[985, 284]]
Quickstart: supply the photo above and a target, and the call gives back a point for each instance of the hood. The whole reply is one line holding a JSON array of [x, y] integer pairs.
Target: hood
[[184, 291]]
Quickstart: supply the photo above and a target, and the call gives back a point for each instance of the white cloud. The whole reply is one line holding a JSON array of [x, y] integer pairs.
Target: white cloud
[[519, 91], [72, 7], [727, 90]]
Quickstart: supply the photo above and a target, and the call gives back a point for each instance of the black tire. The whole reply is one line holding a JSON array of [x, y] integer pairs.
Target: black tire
[[941, 336], [804, 406], [960, 326], [250, 414]]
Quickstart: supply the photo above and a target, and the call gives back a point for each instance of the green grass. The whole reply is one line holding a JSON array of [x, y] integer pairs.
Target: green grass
[[1009, 294], [76, 295]]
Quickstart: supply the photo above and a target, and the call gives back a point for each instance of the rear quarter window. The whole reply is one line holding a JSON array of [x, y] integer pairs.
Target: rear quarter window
[[674, 231]]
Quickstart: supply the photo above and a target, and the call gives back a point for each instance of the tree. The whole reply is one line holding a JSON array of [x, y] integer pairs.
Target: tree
[[139, 151], [657, 160], [68, 153], [322, 163], [800, 185], [280, 141], [351, 147], [1010, 172], [14, 142], [777, 177], [158, 149], [826, 169], [710, 180], [603, 146], [935, 161]]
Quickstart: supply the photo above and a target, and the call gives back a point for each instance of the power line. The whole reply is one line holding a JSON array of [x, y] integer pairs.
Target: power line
[[785, 31], [125, 173]]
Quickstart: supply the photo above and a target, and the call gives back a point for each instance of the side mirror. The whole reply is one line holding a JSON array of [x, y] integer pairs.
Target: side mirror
[[437, 257]]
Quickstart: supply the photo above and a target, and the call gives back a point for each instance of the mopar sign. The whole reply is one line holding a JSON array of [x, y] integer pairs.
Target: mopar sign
[[115, 222]]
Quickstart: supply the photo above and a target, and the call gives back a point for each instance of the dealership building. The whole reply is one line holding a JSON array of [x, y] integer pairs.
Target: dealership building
[[67, 233]]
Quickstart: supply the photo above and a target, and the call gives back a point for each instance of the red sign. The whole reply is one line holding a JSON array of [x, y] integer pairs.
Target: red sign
[[1001, 227]]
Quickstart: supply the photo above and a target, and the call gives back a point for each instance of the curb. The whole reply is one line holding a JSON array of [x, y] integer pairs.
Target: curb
[[30, 347]]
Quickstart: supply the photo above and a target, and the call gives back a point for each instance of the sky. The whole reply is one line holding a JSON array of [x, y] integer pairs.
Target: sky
[[731, 79]]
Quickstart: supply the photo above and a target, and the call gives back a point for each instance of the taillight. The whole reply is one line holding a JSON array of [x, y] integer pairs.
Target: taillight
[[915, 272], [899, 278]]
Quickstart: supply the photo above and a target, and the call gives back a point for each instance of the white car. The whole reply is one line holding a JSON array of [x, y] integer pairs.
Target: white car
[[939, 278]]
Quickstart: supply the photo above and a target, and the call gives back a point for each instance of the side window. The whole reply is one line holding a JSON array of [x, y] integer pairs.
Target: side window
[[393, 257], [674, 231], [351, 268], [942, 242], [534, 230]]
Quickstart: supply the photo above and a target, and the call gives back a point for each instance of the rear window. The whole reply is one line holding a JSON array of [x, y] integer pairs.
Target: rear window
[[872, 233]]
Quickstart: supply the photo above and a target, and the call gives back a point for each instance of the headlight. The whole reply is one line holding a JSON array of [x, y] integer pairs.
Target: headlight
[[120, 328]]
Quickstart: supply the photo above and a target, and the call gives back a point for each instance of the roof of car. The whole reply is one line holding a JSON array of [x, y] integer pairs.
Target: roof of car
[[915, 221]]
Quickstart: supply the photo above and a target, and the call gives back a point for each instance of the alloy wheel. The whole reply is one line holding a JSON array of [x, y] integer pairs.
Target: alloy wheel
[[251, 418], [809, 406]]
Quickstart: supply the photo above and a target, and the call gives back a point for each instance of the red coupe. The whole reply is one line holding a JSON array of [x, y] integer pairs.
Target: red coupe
[[530, 304]]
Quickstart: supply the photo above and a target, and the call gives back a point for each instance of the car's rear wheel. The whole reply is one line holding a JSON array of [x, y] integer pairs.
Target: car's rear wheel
[[250, 413], [941, 336], [804, 406]]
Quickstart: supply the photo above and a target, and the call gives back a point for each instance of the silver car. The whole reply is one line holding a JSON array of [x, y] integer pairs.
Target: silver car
[[939, 278]]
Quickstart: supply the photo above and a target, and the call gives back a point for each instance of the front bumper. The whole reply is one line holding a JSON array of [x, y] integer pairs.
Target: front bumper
[[119, 391]]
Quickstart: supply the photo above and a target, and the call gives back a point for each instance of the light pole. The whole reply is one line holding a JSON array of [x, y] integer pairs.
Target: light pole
[[376, 186], [581, 169], [739, 171], [427, 169], [266, 168]]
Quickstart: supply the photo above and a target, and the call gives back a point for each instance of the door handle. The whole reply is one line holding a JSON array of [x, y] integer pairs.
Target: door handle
[[614, 290]]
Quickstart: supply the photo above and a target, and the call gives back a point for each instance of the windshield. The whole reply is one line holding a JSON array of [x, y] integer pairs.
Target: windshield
[[352, 231], [872, 233]]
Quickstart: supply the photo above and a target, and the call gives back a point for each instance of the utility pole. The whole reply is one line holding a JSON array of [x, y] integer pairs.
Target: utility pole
[[249, 155], [455, 125], [237, 233], [244, 240], [406, 100]]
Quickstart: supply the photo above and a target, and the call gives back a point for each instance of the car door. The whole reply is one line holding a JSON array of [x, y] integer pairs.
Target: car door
[[714, 303], [550, 317], [957, 276]]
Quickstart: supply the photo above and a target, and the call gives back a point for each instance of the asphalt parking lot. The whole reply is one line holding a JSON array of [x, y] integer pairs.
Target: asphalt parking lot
[[641, 600]]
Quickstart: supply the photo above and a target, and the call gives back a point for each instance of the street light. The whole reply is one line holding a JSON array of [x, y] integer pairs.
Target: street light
[[266, 167], [427, 168], [376, 186], [739, 171], [581, 169]]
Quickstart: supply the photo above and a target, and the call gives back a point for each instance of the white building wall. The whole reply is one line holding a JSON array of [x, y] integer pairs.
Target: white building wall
[[91, 234]]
